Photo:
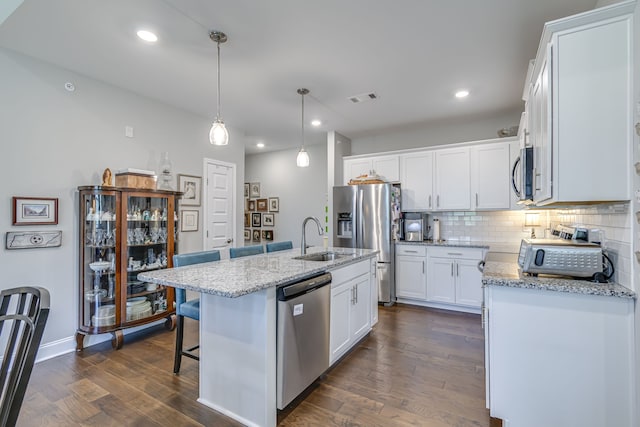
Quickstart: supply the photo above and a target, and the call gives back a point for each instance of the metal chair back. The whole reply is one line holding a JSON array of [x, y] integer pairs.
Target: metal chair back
[[246, 251], [23, 316]]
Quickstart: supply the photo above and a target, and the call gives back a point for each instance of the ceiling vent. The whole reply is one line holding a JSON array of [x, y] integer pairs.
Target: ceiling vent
[[363, 97]]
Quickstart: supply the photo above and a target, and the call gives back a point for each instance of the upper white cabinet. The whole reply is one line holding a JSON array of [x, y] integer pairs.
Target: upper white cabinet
[[580, 107], [416, 178], [490, 168], [387, 167], [452, 187]]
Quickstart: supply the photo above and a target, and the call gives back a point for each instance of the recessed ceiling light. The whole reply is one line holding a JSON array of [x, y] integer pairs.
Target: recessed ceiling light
[[147, 36], [260, 145], [462, 93], [316, 122]]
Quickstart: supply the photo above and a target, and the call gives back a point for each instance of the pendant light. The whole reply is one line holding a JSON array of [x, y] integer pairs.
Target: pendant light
[[302, 161], [218, 135]]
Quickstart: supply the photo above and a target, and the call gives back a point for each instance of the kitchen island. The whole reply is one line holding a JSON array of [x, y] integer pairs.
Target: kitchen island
[[558, 351], [238, 323]]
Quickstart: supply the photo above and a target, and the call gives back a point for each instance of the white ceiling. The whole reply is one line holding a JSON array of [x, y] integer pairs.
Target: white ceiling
[[413, 53]]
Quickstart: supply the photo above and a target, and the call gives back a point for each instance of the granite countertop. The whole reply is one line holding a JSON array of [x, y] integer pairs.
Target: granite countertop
[[502, 270], [240, 276]]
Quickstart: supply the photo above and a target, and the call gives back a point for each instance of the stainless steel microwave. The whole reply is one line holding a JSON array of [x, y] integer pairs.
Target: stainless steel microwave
[[522, 176]]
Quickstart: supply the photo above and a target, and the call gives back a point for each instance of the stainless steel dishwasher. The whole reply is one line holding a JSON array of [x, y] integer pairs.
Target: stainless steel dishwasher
[[302, 335]]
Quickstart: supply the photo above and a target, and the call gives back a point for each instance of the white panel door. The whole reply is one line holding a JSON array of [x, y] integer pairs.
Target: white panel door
[[356, 167], [361, 307], [340, 334], [468, 283], [417, 181], [452, 186], [410, 277], [219, 205], [387, 167], [441, 280], [490, 176]]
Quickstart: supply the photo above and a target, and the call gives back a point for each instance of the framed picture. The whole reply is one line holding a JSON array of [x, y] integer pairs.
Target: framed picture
[[274, 204], [191, 187], [256, 235], [267, 220], [35, 211], [247, 219], [246, 189], [189, 220], [255, 220], [247, 234], [267, 234], [251, 205], [261, 205], [254, 190]]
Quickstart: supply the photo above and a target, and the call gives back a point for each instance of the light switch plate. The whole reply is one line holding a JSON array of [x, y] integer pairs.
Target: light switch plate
[[33, 239]]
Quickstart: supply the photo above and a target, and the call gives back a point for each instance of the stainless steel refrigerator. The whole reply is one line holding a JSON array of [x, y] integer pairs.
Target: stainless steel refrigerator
[[365, 216]]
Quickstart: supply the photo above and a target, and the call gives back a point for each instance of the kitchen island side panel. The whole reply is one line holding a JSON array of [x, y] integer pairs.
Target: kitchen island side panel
[[238, 356]]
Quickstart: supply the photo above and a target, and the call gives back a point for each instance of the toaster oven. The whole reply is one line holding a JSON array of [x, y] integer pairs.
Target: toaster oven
[[561, 257]]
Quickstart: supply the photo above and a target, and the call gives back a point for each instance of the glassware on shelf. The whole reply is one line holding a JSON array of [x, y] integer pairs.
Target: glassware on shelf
[[166, 178]]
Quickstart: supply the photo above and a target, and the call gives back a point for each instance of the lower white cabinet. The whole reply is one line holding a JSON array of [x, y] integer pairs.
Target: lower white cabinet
[[350, 307], [559, 359], [453, 276], [411, 278]]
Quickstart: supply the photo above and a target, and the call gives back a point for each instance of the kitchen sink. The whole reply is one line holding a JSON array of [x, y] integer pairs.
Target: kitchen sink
[[321, 256]]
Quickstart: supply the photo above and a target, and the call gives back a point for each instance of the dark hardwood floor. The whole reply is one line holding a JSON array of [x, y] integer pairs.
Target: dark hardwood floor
[[419, 367]]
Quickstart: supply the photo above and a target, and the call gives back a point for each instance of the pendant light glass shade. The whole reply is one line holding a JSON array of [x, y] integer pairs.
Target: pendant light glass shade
[[302, 161], [218, 135]]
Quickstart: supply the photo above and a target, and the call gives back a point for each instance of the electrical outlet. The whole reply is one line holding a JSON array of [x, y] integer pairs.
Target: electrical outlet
[[128, 131]]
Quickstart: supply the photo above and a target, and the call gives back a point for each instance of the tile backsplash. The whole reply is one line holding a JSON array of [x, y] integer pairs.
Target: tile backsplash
[[506, 228]]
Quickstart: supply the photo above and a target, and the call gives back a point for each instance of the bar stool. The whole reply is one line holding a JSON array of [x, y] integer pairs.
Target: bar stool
[[24, 312], [246, 251], [191, 308], [279, 246]]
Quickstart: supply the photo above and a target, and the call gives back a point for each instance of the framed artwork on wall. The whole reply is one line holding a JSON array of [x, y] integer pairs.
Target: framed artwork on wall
[[247, 219], [268, 220], [247, 234], [35, 211], [261, 205], [254, 190], [246, 189], [274, 204], [256, 235], [256, 219], [189, 220], [191, 188], [267, 234], [251, 205]]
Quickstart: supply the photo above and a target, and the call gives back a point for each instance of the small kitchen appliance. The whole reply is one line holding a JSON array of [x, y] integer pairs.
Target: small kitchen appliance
[[562, 257], [415, 226]]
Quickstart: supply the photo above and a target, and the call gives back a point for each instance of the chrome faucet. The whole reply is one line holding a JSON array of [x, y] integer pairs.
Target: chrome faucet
[[303, 244]]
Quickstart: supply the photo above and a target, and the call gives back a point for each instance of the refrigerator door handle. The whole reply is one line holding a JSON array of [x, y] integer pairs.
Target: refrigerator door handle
[[359, 216]]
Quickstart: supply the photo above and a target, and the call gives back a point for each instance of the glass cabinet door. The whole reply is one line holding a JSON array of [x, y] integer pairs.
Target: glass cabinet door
[[99, 260], [149, 236]]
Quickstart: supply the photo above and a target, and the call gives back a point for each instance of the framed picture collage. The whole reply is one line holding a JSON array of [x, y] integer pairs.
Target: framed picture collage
[[259, 214]]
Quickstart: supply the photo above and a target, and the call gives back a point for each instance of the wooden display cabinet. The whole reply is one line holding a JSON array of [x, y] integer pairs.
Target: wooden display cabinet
[[124, 231]]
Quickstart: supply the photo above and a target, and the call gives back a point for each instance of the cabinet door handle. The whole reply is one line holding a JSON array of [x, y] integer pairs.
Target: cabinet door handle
[[476, 200], [429, 201], [355, 288], [454, 253], [411, 252], [422, 267], [451, 269], [457, 269], [438, 201], [353, 296]]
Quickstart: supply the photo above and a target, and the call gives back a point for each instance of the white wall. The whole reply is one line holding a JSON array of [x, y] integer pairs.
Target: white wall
[[302, 191], [437, 133], [54, 141]]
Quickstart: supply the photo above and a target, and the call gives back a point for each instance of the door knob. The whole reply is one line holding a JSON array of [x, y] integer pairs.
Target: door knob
[[229, 240]]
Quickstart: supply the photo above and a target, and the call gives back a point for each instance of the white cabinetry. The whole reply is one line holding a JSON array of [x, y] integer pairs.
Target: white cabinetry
[[374, 291], [490, 176], [411, 278], [453, 276], [416, 178], [559, 359], [580, 112], [387, 167], [350, 307], [452, 184]]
